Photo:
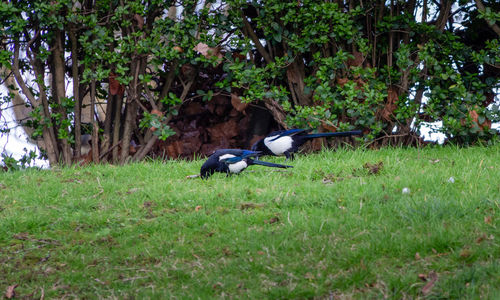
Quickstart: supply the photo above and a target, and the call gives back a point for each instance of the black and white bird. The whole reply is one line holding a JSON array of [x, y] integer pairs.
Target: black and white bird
[[232, 161], [287, 142]]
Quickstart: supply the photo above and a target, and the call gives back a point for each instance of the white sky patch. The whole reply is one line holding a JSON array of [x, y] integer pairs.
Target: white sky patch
[[15, 142], [428, 132]]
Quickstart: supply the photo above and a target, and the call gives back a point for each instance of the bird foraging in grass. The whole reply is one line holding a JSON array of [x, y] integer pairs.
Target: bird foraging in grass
[[287, 142], [233, 161]]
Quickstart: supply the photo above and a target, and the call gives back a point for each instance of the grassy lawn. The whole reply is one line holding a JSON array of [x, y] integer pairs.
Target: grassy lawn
[[345, 224]]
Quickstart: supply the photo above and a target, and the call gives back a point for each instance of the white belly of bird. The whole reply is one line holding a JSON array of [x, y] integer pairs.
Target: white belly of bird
[[237, 167], [278, 146]]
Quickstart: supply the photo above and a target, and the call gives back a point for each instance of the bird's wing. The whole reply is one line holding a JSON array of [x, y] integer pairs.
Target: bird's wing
[[232, 156], [249, 153], [236, 152], [290, 132], [233, 160]]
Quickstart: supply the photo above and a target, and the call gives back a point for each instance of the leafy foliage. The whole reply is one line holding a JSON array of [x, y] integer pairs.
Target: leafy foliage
[[367, 65], [376, 66]]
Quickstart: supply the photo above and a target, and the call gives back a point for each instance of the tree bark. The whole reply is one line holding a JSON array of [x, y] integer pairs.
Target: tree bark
[[137, 68], [76, 92], [276, 111], [59, 89], [21, 110], [108, 121], [295, 74], [49, 142], [117, 126], [443, 14], [95, 126], [248, 30], [128, 128]]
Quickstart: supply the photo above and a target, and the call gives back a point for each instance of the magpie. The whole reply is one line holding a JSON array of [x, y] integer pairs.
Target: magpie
[[286, 142], [232, 161]]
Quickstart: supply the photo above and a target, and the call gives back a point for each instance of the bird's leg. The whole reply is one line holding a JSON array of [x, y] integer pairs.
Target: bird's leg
[[289, 155]]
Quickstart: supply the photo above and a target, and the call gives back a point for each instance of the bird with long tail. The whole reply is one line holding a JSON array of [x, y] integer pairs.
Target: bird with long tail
[[233, 161], [287, 142]]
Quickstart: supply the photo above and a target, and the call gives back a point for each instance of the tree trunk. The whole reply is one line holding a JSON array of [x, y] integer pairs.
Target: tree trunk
[[296, 74], [76, 92], [128, 128], [106, 136], [19, 106], [137, 68], [95, 126], [49, 142], [248, 31], [117, 126], [59, 91]]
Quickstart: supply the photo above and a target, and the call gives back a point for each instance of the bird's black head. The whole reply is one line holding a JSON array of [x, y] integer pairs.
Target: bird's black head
[[206, 171], [209, 167]]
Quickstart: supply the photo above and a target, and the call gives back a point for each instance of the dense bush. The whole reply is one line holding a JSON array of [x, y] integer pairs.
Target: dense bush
[[380, 66]]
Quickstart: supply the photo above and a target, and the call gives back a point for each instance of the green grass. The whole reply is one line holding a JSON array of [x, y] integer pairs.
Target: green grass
[[329, 227]]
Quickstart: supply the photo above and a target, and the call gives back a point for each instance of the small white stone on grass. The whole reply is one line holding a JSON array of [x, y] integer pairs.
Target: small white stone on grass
[[405, 190]]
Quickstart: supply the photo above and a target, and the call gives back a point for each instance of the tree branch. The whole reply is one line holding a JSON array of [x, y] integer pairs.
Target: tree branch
[[76, 92], [493, 25], [19, 78], [251, 34]]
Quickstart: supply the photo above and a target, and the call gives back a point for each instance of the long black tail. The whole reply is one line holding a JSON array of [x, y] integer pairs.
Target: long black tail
[[337, 134], [268, 164]]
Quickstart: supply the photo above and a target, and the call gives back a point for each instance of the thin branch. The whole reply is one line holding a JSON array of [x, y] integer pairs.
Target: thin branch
[[6, 77], [149, 97], [255, 39], [493, 25], [109, 150], [19, 78]]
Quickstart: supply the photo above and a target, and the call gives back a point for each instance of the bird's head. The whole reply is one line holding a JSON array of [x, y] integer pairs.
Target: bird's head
[[206, 172]]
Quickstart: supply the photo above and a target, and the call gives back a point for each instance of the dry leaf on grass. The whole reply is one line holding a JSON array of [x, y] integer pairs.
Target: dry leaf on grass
[[432, 279], [374, 168], [11, 293], [272, 220], [250, 205], [132, 190], [465, 253]]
